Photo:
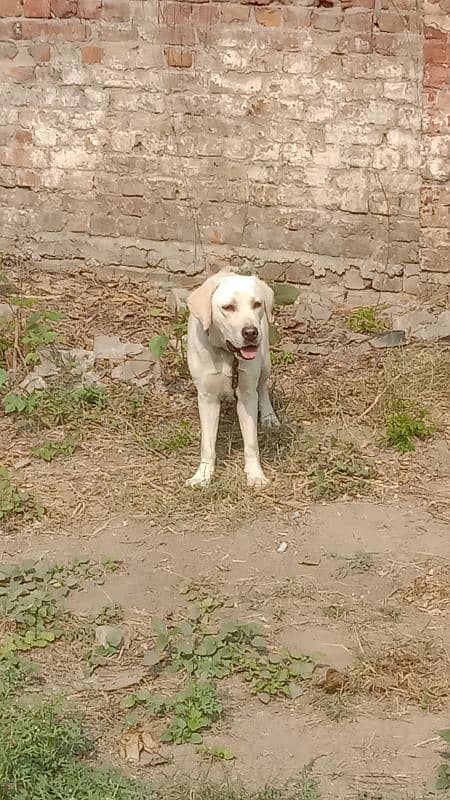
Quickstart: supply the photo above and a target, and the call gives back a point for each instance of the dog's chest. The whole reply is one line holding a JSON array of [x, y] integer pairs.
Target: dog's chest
[[220, 382]]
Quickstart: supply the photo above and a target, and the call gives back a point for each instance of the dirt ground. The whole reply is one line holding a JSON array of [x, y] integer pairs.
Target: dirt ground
[[362, 575]]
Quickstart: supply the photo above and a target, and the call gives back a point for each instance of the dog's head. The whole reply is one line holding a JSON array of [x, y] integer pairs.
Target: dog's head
[[231, 308]]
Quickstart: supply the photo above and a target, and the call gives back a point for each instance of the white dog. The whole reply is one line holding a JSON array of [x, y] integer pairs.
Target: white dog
[[228, 352]]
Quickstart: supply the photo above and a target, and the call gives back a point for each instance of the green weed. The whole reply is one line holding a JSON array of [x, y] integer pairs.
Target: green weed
[[58, 406], [204, 654], [171, 438], [336, 470], [365, 320], [282, 358], [48, 451], [42, 745], [15, 502], [403, 426], [32, 599], [217, 753]]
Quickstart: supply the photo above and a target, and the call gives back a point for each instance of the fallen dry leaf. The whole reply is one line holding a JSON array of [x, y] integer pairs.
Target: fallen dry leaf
[[140, 747], [333, 681]]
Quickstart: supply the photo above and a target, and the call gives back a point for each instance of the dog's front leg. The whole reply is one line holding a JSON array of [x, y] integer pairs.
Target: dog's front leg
[[247, 409], [209, 410]]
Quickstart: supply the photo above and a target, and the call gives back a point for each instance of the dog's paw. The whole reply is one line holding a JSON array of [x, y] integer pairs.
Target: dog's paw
[[270, 421], [256, 479], [202, 477]]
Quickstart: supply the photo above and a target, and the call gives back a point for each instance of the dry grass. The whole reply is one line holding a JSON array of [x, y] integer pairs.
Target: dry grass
[[411, 672], [430, 591]]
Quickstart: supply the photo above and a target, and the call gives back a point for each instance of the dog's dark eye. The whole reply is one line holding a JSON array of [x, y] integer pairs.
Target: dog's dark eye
[[257, 304], [229, 307]]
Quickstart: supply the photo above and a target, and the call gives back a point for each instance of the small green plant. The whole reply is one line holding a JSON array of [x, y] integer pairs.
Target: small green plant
[[192, 710], [282, 358], [32, 600], [37, 333], [172, 438], [15, 502], [58, 406], [365, 320], [48, 451], [443, 770], [217, 753], [338, 470], [404, 425]]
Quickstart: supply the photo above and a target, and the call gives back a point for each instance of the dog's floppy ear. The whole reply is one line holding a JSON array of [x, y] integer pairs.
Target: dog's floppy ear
[[268, 297], [199, 301]]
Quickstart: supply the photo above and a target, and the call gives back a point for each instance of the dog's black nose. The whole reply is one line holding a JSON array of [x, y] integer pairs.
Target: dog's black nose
[[250, 334]]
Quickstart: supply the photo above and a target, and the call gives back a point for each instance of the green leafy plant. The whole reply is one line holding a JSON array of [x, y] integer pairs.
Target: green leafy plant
[[15, 502], [37, 333], [285, 294], [443, 770], [32, 598], [217, 753], [365, 320], [192, 710], [48, 451], [337, 469], [58, 406], [282, 358], [158, 345], [403, 425], [171, 438]]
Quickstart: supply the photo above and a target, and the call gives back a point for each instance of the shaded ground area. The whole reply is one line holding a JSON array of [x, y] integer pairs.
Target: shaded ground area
[[342, 565]]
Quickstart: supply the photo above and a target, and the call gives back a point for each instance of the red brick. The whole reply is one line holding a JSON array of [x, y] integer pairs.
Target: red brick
[[19, 74], [111, 33], [326, 20], [89, 9], [435, 52], [118, 10], [359, 21], [235, 13], [297, 17], [389, 22], [434, 33], [176, 57], [180, 35], [10, 29], [174, 13], [28, 178], [40, 9], [269, 17], [62, 9], [23, 136], [205, 15], [71, 30], [345, 4], [92, 55], [11, 8], [436, 76], [40, 52]]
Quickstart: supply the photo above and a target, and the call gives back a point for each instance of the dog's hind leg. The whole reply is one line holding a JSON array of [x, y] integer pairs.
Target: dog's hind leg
[[266, 413]]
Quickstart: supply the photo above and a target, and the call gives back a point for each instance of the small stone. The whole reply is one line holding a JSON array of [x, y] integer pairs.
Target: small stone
[[112, 349], [313, 349], [109, 636], [413, 323], [438, 330], [6, 311], [389, 339], [140, 370], [33, 383]]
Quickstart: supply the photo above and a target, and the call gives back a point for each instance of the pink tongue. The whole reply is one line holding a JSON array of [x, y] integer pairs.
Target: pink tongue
[[248, 352]]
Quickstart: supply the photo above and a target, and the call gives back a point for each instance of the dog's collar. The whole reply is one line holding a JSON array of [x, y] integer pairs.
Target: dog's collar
[[235, 374]]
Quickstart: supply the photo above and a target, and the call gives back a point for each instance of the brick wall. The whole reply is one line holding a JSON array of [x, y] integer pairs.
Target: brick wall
[[435, 167], [176, 137]]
